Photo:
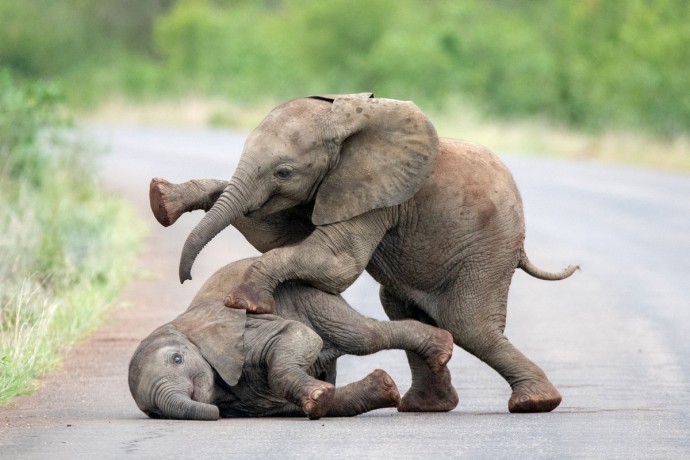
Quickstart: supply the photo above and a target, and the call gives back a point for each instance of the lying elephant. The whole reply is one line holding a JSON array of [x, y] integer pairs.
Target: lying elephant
[[330, 185], [215, 361]]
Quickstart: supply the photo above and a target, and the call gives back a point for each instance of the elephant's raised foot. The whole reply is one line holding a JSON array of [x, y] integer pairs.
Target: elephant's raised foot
[[166, 203], [437, 396], [318, 400], [244, 297], [534, 397]]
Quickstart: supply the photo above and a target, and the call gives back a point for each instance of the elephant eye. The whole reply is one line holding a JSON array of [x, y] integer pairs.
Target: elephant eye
[[176, 358], [283, 172]]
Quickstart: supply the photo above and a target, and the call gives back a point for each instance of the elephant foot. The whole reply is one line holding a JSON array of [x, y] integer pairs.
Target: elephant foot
[[439, 350], [244, 297], [382, 389], [166, 206], [318, 399], [529, 397], [436, 396]]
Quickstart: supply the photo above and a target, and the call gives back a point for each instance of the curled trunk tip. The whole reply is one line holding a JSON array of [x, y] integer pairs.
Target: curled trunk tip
[[182, 407]]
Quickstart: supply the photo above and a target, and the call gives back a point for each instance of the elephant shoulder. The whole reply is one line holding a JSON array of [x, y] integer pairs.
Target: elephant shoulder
[[460, 158]]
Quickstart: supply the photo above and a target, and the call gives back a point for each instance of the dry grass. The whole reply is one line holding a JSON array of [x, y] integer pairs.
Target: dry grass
[[535, 137], [191, 111], [531, 137]]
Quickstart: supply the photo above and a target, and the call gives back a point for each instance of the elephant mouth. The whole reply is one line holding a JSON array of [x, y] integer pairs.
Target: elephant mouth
[[273, 205]]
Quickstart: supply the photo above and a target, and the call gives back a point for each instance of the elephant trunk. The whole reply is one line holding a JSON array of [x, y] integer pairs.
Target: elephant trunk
[[178, 405], [226, 210]]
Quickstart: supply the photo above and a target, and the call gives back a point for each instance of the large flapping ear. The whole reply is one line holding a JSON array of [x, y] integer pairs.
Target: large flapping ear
[[218, 333], [388, 150]]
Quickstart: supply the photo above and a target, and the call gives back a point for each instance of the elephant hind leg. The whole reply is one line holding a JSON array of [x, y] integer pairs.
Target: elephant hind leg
[[375, 391], [431, 389], [531, 389], [477, 325], [353, 334]]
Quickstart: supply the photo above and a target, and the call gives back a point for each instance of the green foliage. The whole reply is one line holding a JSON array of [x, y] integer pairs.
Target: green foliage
[[66, 245], [593, 64], [24, 113]]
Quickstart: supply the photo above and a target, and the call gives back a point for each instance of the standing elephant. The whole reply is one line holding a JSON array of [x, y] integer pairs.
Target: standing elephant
[[215, 361], [330, 186]]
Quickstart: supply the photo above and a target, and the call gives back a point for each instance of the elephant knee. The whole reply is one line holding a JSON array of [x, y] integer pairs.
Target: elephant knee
[[301, 342]]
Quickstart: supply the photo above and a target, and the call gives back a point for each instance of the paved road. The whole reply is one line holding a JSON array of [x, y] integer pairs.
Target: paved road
[[613, 338]]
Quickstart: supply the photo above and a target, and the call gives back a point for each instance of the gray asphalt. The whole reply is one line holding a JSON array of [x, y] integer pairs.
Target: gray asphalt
[[613, 337]]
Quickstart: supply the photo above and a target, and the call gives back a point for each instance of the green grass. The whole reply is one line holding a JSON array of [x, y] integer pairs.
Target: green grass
[[67, 245], [66, 255]]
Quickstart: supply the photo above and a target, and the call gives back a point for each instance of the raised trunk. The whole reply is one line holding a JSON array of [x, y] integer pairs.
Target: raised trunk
[[180, 406], [227, 209]]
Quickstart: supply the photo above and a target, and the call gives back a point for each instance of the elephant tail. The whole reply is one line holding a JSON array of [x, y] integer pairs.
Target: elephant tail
[[537, 272]]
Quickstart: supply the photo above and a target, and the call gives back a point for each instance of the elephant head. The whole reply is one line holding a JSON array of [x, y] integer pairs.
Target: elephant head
[[172, 372], [343, 155]]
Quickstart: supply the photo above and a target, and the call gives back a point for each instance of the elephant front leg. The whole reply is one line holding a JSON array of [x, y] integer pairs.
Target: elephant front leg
[[330, 259], [290, 350], [169, 201], [477, 323]]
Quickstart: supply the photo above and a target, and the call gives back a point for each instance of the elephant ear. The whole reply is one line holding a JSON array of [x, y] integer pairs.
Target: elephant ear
[[387, 151], [218, 332]]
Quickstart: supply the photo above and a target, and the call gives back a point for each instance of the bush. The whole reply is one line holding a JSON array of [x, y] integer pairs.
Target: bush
[[594, 64], [66, 245]]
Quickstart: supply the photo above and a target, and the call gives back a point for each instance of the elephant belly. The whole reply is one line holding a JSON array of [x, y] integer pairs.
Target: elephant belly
[[253, 399], [466, 221]]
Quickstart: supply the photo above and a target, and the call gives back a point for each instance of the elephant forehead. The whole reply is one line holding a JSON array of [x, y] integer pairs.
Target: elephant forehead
[[158, 350], [292, 134], [301, 115]]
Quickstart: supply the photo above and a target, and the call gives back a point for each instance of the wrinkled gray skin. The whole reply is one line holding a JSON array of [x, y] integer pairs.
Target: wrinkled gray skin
[[213, 361], [330, 186]]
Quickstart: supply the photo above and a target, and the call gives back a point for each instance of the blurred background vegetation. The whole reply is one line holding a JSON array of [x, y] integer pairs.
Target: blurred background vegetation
[[67, 246], [592, 65]]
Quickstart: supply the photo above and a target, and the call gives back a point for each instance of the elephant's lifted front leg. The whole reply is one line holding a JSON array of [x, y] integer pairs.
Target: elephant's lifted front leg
[[169, 201], [330, 259]]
